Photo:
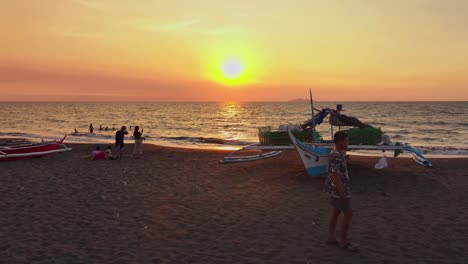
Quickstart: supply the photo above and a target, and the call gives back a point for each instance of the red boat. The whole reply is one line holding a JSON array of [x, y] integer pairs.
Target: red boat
[[31, 150]]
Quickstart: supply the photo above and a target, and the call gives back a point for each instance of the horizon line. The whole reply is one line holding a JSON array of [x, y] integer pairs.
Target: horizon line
[[245, 101]]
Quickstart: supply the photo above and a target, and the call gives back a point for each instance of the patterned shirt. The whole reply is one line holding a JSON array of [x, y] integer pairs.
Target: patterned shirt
[[337, 164]]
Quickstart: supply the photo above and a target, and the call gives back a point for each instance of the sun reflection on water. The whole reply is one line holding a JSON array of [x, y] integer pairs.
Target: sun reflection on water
[[231, 109], [231, 113]]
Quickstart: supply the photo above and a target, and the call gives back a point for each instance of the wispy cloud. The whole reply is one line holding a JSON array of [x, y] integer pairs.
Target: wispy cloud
[[220, 30], [90, 3], [193, 26], [169, 27]]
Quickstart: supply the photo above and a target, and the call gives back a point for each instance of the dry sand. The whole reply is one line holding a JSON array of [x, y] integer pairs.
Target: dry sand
[[181, 206]]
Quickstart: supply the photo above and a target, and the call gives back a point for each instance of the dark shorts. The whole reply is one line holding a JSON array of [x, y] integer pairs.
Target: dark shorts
[[119, 147], [341, 205]]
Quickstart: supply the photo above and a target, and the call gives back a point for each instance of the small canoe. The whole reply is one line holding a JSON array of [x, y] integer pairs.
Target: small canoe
[[235, 159]]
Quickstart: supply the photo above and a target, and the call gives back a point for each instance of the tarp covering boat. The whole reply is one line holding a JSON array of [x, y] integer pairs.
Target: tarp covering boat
[[336, 119]]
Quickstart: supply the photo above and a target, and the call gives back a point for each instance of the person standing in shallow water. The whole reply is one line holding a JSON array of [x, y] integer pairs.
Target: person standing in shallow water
[[91, 128], [119, 141], [137, 135], [338, 188]]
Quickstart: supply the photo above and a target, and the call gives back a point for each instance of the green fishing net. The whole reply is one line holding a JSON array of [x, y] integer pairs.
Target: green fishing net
[[268, 137], [364, 136]]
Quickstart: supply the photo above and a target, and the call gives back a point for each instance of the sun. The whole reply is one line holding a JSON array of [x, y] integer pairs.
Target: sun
[[232, 68], [231, 64]]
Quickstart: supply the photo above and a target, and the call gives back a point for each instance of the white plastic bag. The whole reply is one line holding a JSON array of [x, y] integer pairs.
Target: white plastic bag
[[382, 163]]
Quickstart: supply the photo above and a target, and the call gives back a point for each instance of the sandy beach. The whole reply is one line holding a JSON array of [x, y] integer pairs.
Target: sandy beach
[[181, 206]]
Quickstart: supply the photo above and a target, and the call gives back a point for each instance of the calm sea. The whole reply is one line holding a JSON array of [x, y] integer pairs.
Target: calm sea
[[434, 127]]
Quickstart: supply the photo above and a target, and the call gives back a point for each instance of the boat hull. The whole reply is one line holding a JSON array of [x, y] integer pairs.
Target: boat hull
[[31, 151], [314, 158]]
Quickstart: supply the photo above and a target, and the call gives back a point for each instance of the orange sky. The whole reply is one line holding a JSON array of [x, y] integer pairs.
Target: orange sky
[[148, 50]]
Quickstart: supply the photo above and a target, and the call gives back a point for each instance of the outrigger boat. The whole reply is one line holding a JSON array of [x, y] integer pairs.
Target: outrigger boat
[[314, 155], [31, 150]]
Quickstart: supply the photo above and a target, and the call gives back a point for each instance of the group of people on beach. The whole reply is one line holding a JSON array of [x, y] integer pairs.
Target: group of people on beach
[[337, 184], [120, 145], [101, 128], [137, 136]]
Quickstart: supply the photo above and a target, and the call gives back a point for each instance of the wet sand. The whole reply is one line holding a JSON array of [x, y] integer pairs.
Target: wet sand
[[181, 206]]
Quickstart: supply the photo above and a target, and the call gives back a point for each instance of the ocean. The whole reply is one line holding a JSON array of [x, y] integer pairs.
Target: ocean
[[433, 127]]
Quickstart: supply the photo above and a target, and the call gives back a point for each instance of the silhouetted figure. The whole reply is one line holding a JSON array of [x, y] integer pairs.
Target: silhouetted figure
[[91, 128], [119, 141], [137, 135], [338, 188], [100, 128], [106, 128], [76, 131]]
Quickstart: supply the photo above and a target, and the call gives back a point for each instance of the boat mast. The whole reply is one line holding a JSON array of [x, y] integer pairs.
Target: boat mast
[[313, 115]]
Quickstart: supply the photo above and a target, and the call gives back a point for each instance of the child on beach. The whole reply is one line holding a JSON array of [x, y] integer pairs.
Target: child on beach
[[96, 154], [109, 153], [337, 187]]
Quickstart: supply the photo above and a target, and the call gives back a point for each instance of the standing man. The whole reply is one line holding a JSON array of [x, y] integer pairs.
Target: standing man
[[119, 141], [337, 187], [91, 128]]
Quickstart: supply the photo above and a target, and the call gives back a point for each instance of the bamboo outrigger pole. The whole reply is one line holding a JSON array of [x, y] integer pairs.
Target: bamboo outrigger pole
[[313, 116]]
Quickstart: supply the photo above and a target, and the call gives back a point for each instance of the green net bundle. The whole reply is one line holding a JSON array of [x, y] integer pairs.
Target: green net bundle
[[268, 137], [364, 136]]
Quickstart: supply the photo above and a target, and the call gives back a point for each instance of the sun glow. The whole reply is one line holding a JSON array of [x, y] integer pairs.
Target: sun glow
[[231, 65], [232, 71]]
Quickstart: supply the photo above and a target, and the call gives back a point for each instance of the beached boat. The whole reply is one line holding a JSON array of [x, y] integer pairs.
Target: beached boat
[[314, 154], [31, 150]]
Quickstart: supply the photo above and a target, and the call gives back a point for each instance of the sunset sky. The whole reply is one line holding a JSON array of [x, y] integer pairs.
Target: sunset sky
[[216, 50]]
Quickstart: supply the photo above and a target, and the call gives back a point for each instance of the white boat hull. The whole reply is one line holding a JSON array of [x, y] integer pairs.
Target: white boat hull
[[235, 159], [315, 158]]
